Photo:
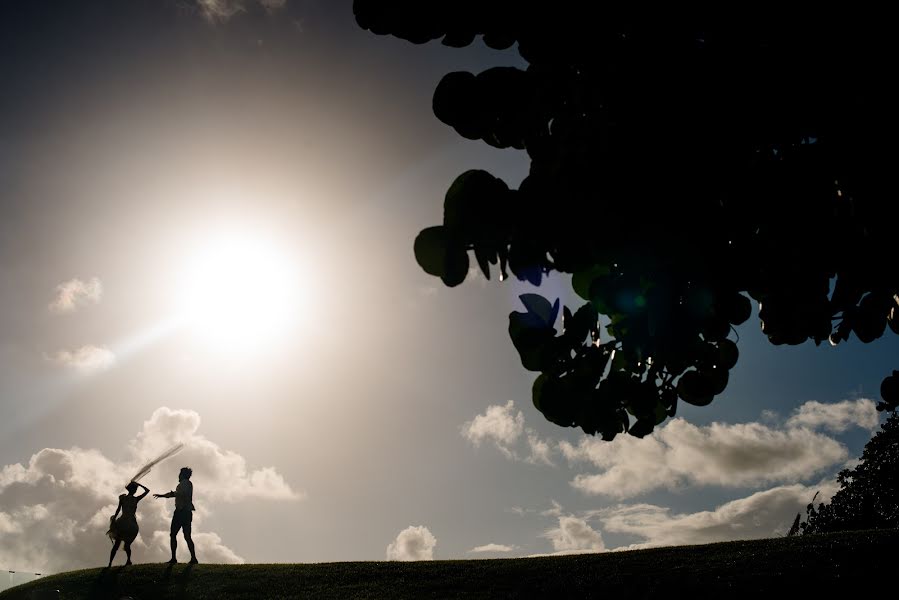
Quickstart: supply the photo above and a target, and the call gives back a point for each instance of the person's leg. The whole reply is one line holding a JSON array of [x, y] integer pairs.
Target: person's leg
[[115, 548], [190, 542], [128, 552], [174, 542]]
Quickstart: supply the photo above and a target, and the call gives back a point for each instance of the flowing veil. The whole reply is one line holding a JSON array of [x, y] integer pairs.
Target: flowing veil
[[167, 454]]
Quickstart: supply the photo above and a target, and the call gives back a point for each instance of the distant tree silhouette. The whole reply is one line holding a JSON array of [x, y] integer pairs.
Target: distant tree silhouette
[[680, 165], [868, 497]]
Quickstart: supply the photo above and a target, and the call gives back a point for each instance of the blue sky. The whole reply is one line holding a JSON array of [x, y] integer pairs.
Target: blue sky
[[393, 418]]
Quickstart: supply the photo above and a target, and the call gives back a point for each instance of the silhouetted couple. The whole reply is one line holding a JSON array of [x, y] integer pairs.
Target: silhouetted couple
[[124, 528]]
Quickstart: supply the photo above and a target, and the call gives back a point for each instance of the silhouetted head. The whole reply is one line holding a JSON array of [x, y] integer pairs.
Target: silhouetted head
[[131, 487], [185, 473]]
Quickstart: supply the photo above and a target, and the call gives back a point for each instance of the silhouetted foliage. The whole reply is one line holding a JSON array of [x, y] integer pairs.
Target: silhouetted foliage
[[795, 527], [680, 165], [868, 497]]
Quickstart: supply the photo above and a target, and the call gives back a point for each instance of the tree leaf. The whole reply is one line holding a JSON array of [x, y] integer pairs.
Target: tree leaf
[[430, 250], [456, 266], [693, 389], [540, 306], [727, 354], [485, 256], [581, 280]]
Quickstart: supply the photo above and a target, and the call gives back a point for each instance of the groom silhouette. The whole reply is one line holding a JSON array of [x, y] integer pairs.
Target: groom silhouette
[[184, 506]]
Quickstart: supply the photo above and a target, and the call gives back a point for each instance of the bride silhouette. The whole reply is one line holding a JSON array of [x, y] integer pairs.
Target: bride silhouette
[[124, 528]]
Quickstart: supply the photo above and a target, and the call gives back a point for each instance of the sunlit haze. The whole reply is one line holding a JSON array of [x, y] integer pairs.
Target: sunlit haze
[[241, 293]]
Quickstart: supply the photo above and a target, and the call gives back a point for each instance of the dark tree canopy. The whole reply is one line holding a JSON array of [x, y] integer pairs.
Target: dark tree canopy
[[680, 165], [868, 497]]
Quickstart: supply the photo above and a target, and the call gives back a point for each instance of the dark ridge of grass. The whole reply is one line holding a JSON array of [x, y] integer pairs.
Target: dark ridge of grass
[[834, 565]]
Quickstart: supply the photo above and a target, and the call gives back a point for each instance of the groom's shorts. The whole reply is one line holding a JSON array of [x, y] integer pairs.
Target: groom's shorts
[[181, 520]]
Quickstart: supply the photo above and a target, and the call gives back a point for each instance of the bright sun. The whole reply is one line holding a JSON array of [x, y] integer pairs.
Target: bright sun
[[239, 293]]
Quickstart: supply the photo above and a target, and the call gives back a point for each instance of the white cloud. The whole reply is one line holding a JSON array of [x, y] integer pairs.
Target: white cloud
[[680, 453], [540, 450], [555, 511], [203, 542], [54, 510], [75, 293], [220, 10], [220, 474], [851, 463], [492, 548], [498, 424], [762, 515], [837, 416], [412, 543], [770, 416], [7, 525], [573, 536], [87, 359], [503, 426]]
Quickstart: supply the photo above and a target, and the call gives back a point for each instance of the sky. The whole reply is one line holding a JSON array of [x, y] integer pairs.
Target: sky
[[336, 403]]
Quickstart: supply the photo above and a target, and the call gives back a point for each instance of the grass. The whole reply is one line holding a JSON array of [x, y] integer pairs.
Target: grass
[[832, 565]]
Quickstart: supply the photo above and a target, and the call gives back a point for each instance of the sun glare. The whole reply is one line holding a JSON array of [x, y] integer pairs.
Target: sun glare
[[240, 293]]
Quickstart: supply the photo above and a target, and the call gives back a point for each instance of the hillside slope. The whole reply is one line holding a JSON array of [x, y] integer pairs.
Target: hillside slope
[[833, 564]]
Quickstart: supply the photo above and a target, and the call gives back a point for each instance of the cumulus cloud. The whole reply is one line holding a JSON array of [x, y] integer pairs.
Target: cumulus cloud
[[492, 548], [836, 416], [412, 543], [87, 359], [75, 293], [555, 511], [679, 453], [499, 424], [540, 450], [220, 10], [751, 455], [504, 427], [762, 515], [222, 474], [573, 536], [55, 509]]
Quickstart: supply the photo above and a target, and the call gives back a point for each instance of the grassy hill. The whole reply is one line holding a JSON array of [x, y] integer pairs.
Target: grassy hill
[[834, 564]]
